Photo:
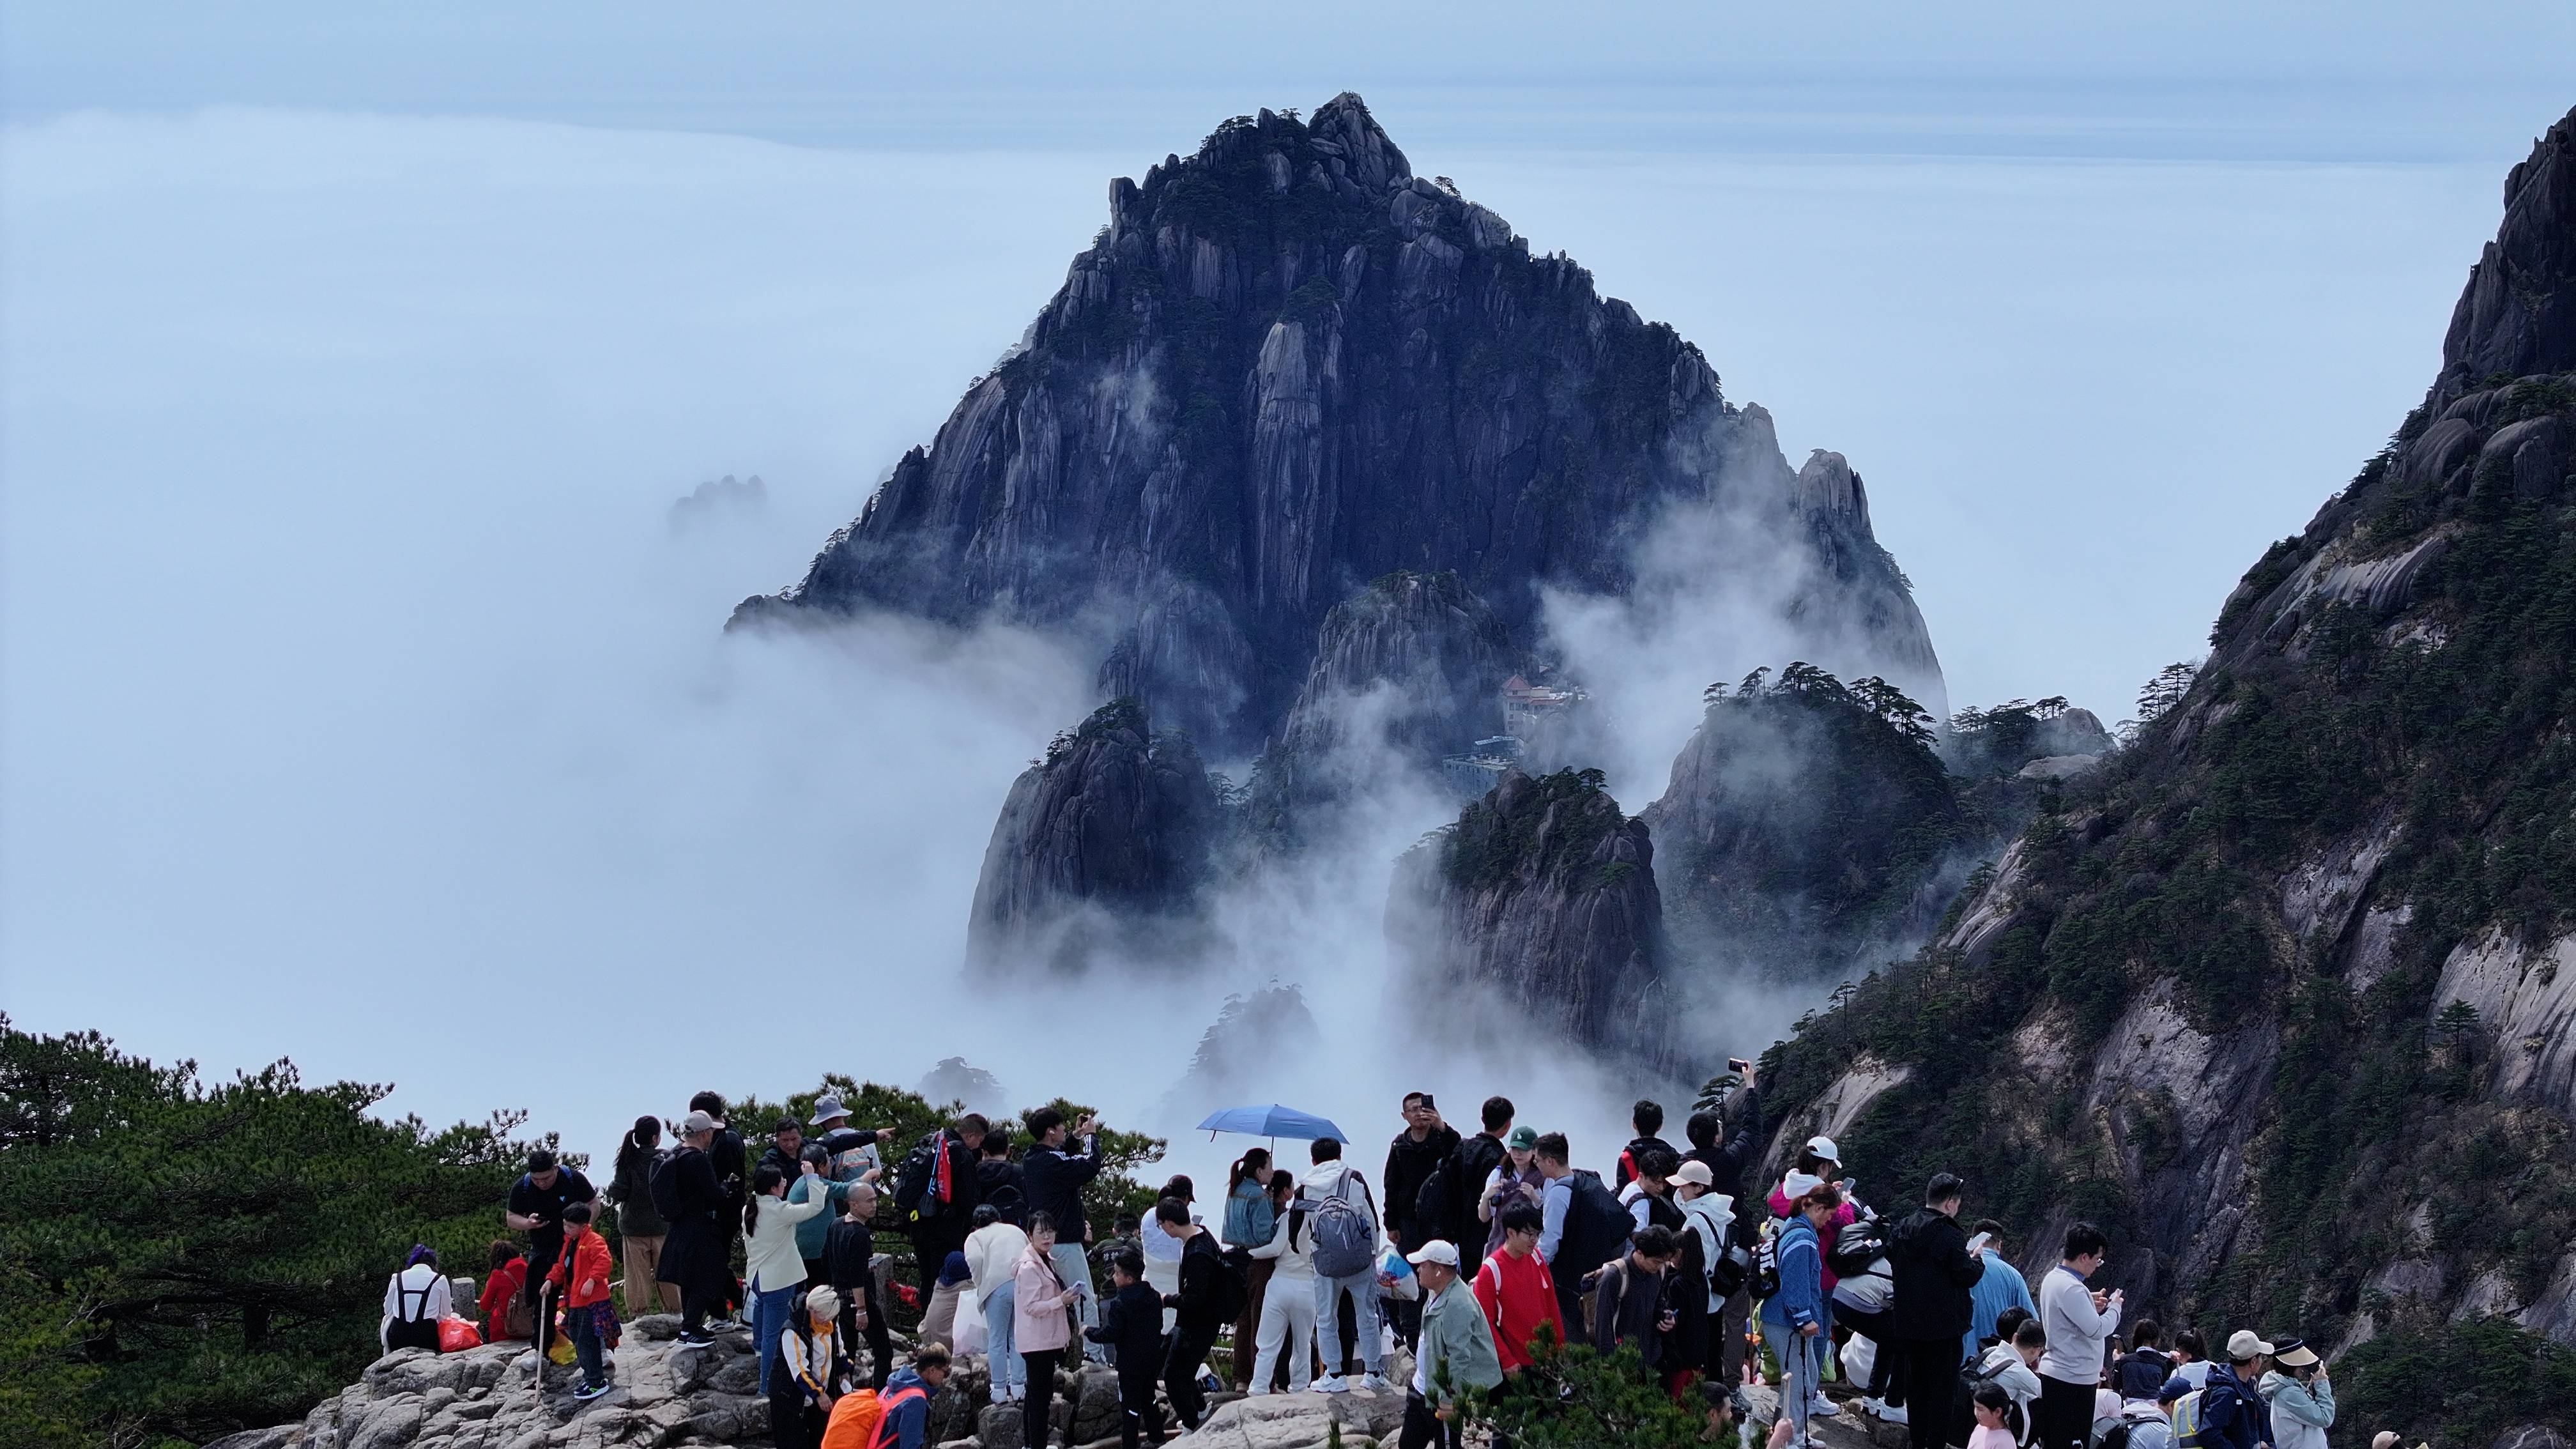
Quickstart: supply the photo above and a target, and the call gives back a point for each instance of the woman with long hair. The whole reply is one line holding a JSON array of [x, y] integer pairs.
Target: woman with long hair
[[640, 1229], [1042, 1308], [1515, 1179], [772, 1268], [1249, 1219]]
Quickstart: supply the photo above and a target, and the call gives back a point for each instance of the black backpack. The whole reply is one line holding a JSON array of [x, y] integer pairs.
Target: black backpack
[[1963, 1408], [1233, 1284], [1431, 1204], [912, 1182], [1596, 1226], [1006, 1199], [1858, 1245], [664, 1183]]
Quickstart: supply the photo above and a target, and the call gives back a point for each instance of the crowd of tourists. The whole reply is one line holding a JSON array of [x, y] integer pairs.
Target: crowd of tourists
[[1470, 1252]]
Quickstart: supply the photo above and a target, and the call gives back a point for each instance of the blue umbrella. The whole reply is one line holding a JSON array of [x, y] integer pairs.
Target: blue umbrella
[[1272, 1121]]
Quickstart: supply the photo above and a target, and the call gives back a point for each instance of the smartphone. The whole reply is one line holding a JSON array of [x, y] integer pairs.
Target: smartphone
[[1739, 1064], [1978, 1243]]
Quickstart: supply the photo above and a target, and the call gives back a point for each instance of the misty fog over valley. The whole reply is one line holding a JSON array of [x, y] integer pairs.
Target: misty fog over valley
[[415, 683]]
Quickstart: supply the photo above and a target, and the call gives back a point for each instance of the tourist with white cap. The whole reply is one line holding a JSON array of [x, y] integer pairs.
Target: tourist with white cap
[[1456, 1350], [2232, 1412], [2301, 1396]]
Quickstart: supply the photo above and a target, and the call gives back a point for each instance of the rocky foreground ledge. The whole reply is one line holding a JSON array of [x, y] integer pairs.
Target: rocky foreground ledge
[[670, 1396]]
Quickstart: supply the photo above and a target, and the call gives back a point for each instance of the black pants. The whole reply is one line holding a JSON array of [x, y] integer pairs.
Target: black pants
[[2063, 1417], [1422, 1426], [696, 1302], [1190, 1345], [1139, 1418], [1931, 1382], [412, 1333], [1040, 1403], [880, 1345], [1886, 1376], [1569, 1301], [794, 1423]]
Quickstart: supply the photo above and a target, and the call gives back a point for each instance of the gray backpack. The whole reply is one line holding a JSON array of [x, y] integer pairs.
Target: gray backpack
[[1345, 1239]]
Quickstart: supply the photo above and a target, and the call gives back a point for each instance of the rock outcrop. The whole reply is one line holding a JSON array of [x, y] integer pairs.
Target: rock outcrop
[[1288, 366], [1541, 902], [1408, 669], [1801, 828], [1100, 851], [1260, 1048], [2278, 993]]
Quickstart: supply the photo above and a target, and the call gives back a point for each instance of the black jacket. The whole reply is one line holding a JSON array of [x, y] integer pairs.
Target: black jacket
[[1726, 1163], [1194, 1308], [1132, 1323], [1409, 1164], [1000, 1181], [1633, 1156], [1474, 1160], [1053, 1179], [732, 1168], [849, 1253], [697, 1251], [1629, 1306], [1928, 1257]]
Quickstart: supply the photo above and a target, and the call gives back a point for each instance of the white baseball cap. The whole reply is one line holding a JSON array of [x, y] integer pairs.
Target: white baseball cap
[[2243, 1345], [1824, 1147], [1438, 1250]]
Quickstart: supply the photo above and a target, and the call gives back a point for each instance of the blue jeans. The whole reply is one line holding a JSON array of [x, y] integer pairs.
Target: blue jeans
[[585, 1346], [1800, 1364], [998, 1313], [1073, 1266], [768, 1320], [1362, 1286]]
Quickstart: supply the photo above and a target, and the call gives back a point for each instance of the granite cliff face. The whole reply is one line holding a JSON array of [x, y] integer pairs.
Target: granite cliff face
[[1288, 366], [1100, 851], [1540, 904], [1804, 824], [2278, 990]]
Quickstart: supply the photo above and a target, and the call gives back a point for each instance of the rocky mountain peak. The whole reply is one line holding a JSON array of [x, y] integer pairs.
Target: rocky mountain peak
[[2517, 316], [1288, 366], [1828, 486]]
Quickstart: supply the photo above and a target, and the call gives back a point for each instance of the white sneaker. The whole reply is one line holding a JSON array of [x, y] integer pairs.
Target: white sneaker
[[1332, 1384], [1376, 1384], [1822, 1409], [1895, 1415], [1873, 1407]]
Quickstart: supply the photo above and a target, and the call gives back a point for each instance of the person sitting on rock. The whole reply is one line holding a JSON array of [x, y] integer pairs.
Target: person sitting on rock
[[1131, 1322], [504, 1301], [415, 1300]]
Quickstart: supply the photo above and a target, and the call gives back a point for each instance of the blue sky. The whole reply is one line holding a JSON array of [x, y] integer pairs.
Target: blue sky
[[350, 360]]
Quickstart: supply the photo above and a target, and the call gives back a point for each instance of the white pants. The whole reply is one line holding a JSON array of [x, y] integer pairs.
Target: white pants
[[1165, 1278], [1287, 1321]]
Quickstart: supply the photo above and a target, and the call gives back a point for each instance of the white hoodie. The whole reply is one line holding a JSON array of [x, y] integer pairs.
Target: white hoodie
[[1321, 1180], [1710, 1215], [1296, 1258], [2018, 1379]]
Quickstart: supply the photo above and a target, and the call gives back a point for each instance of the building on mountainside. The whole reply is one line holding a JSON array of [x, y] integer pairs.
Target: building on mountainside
[[1481, 768]]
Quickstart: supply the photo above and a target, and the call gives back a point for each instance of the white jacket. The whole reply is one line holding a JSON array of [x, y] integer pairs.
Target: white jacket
[[770, 1259], [1321, 1180], [2017, 1379], [992, 1256], [1296, 1258], [1709, 1215]]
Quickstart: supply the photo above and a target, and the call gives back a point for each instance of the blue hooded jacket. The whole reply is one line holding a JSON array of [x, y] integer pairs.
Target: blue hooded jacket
[[1801, 1299]]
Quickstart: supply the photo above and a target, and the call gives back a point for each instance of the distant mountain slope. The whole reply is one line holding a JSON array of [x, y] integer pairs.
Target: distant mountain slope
[[2285, 995], [1287, 367]]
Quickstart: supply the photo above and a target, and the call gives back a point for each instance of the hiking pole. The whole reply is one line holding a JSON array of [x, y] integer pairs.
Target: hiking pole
[[545, 1338]]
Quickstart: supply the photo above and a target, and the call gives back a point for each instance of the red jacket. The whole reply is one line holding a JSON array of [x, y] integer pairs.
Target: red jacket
[[588, 1252], [506, 1282], [1517, 1295]]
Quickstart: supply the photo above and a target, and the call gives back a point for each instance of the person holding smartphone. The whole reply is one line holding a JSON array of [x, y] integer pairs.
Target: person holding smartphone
[[2080, 1321]]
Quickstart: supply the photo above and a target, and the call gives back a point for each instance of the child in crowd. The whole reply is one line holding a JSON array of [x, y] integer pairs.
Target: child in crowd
[[581, 1283], [1992, 1405], [1131, 1325]]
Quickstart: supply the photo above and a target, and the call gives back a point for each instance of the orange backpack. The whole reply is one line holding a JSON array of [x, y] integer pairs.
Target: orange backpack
[[861, 1420]]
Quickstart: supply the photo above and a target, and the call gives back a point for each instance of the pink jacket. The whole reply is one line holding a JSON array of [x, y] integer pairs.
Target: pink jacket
[[1041, 1313]]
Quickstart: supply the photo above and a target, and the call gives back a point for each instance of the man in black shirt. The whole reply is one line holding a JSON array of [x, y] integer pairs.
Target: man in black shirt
[[1195, 1310], [1418, 1152], [731, 1163], [536, 1207]]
